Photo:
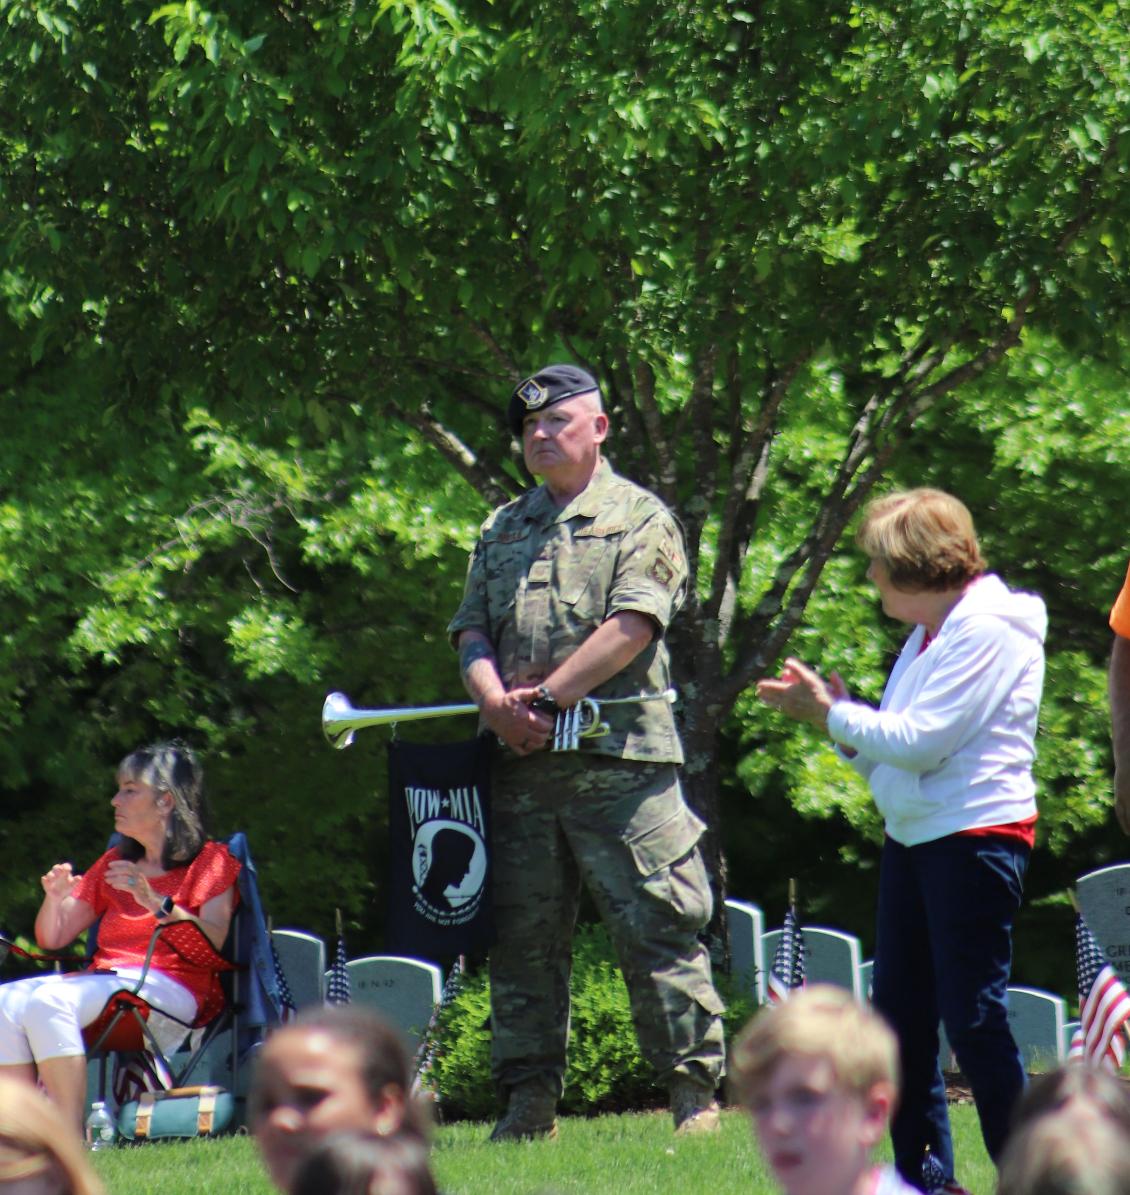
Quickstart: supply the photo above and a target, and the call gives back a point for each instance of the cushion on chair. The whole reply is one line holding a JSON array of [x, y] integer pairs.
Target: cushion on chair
[[126, 1032]]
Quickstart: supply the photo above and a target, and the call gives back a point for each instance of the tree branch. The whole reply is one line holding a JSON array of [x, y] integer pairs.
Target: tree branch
[[880, 431], [704, 450], [494, 485], [751, 456]]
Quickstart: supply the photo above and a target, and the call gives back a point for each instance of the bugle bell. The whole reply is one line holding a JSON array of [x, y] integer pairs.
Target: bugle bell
[[340, 720]]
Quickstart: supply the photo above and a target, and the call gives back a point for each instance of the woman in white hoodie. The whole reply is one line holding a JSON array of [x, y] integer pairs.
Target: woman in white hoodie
[[948, 755]]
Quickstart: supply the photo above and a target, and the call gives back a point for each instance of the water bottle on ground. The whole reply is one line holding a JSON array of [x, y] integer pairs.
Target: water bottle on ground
[[100, 1127]]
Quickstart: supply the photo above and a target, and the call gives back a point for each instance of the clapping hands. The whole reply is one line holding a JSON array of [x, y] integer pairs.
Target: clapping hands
[[802, 693]]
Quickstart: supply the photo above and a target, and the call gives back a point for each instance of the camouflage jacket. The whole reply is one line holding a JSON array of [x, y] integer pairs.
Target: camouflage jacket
[[543, 578]]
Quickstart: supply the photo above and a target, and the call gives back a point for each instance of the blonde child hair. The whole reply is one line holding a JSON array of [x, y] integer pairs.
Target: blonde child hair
[[818, 1021], [35, 1143]]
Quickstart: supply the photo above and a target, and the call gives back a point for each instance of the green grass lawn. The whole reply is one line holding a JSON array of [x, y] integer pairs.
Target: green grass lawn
[[633, 1154]]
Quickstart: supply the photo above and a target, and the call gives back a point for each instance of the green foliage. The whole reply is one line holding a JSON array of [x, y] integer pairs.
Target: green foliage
[[1035, 450], [266, 273], [605, 1070], [460, 1074]]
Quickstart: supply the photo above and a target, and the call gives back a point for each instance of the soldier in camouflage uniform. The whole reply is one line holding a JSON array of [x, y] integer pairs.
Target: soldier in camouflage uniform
[[569, 591]]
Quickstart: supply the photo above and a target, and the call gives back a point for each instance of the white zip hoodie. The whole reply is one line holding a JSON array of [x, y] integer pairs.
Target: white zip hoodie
[[952, 743]]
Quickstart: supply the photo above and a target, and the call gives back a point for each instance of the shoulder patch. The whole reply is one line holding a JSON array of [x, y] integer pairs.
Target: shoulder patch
[[661, 571], [669, 548]]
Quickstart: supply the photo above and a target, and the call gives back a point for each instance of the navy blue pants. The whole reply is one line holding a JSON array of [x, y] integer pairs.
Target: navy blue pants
[[943, 953]]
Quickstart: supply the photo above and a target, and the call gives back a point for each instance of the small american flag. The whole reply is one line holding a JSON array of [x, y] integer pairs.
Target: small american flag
[[337, 990], [787, 971], [933, 1174], [287, 1008], [429, 1043], [137, 1072], [934, 1181], [1104, 1005]]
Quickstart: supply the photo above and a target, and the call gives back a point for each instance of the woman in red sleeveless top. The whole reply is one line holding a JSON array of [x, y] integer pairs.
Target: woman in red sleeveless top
[[164, 870]]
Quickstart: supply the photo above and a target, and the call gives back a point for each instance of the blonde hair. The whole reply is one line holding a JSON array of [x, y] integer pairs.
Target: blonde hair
[[820, 1021], [35, 1141], [1070, 1135], [924, 538]]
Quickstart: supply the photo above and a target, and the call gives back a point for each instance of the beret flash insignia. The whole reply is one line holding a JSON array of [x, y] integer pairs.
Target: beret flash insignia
[[531, 394], [551, 384]]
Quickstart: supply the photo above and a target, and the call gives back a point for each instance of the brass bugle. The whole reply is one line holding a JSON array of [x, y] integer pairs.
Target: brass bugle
[[340, 720]]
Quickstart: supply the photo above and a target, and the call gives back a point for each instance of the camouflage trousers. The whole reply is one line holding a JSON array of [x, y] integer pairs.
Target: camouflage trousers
[[623, 829]]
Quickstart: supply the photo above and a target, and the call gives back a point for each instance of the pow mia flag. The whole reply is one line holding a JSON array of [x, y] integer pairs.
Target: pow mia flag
[[439, 832]]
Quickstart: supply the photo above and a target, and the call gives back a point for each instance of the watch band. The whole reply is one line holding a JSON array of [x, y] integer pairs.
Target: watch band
[[164, 908], [545, 702]]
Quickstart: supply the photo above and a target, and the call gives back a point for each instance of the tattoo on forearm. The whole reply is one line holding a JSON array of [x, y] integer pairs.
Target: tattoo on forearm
[[470, 652]]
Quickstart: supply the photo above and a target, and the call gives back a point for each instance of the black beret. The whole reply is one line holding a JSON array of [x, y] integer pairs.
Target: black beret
[[552, 383]]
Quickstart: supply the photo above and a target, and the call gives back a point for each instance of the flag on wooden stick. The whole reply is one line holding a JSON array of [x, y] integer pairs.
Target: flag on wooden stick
[[429, 1043], [787, 971], [1104, 1005], [337, 990], [288, 1010]]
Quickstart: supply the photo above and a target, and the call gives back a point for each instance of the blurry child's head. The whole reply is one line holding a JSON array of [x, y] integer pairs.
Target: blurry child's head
[[819, 1076], [1070, 1135], [338, 1069], [40, 1154]]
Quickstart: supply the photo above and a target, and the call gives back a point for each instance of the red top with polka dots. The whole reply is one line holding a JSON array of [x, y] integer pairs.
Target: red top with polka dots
[[126, 928]]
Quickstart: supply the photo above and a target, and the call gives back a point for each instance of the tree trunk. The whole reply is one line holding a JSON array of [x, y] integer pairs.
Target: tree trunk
[[696, 665], [700, 786]]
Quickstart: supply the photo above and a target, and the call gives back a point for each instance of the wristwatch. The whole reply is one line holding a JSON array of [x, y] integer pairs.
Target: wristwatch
[[545, 702], [164, 909]]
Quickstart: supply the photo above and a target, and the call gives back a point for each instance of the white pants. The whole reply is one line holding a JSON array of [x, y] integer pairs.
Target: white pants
[[44, 1016]]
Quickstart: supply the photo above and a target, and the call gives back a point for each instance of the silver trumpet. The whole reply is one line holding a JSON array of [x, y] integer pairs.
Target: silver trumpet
[[340, 720], [583, 720]]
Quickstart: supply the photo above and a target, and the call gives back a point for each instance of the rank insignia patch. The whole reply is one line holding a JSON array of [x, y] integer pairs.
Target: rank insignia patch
[[661, 571]]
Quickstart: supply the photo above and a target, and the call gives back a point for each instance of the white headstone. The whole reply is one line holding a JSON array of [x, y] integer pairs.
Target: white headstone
[[747, 951], [1038, 1023], [404, 990], [302, 957], [1037, 1020], [865, 969], [830, 956], [1068, 1034], [1104, 900]]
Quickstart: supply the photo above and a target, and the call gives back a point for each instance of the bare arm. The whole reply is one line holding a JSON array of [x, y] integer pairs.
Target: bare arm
[[522, 729], [608, 650], [1119, 684], [215, 915], [62, 916], [214, 918]]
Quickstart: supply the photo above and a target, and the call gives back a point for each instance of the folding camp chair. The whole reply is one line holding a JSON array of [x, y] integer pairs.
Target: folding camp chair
[[123, 1024], [251, 1002]]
